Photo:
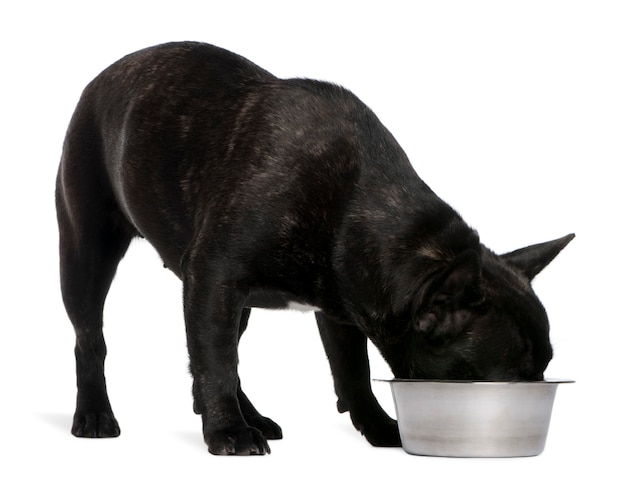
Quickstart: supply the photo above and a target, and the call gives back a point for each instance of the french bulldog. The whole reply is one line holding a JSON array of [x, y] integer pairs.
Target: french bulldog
[[266, 192]]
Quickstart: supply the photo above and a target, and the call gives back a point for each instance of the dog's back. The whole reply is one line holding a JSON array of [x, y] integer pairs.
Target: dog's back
[[175, 136]]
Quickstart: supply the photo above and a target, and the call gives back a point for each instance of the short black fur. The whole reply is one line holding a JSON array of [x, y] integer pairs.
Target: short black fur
[[258, 192]]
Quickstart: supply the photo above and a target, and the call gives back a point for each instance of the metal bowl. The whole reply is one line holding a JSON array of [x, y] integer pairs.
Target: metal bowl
[[474, 419]]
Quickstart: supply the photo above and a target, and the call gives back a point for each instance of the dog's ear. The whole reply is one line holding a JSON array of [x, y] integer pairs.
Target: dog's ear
[[533, 259], [461, 280], [457, 287]]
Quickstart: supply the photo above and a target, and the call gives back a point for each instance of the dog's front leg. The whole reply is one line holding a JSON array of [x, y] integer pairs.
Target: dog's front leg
[[213, 308], [346, 348]]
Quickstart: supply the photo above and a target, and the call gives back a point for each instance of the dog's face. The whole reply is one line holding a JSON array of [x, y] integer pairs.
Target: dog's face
[[496, 330], [479, 320]]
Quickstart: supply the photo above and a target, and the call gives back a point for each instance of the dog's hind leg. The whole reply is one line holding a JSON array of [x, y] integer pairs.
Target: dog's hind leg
[[93, 237]]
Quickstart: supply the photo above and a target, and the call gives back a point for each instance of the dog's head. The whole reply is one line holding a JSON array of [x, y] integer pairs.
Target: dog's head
[[478, 319]]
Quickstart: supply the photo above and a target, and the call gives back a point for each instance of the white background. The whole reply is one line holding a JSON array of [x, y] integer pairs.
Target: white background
[[513, 112]]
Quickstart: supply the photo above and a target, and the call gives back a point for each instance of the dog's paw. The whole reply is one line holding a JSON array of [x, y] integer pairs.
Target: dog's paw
[[95, 425], [239, 441], [384, 434], [268, 427]]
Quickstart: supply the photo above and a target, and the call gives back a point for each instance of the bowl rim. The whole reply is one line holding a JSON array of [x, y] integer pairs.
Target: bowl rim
[[546, 381]]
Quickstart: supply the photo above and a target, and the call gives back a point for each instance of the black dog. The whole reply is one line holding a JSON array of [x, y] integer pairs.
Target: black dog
[[260, 192]]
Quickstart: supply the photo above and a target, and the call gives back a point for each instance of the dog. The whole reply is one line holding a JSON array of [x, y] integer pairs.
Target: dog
[[266, 192]]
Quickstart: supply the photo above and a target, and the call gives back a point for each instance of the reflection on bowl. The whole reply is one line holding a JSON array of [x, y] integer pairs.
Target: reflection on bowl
[[474, 419]]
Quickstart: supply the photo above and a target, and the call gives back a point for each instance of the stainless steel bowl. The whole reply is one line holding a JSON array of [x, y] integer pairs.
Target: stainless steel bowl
[[474, 419]]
